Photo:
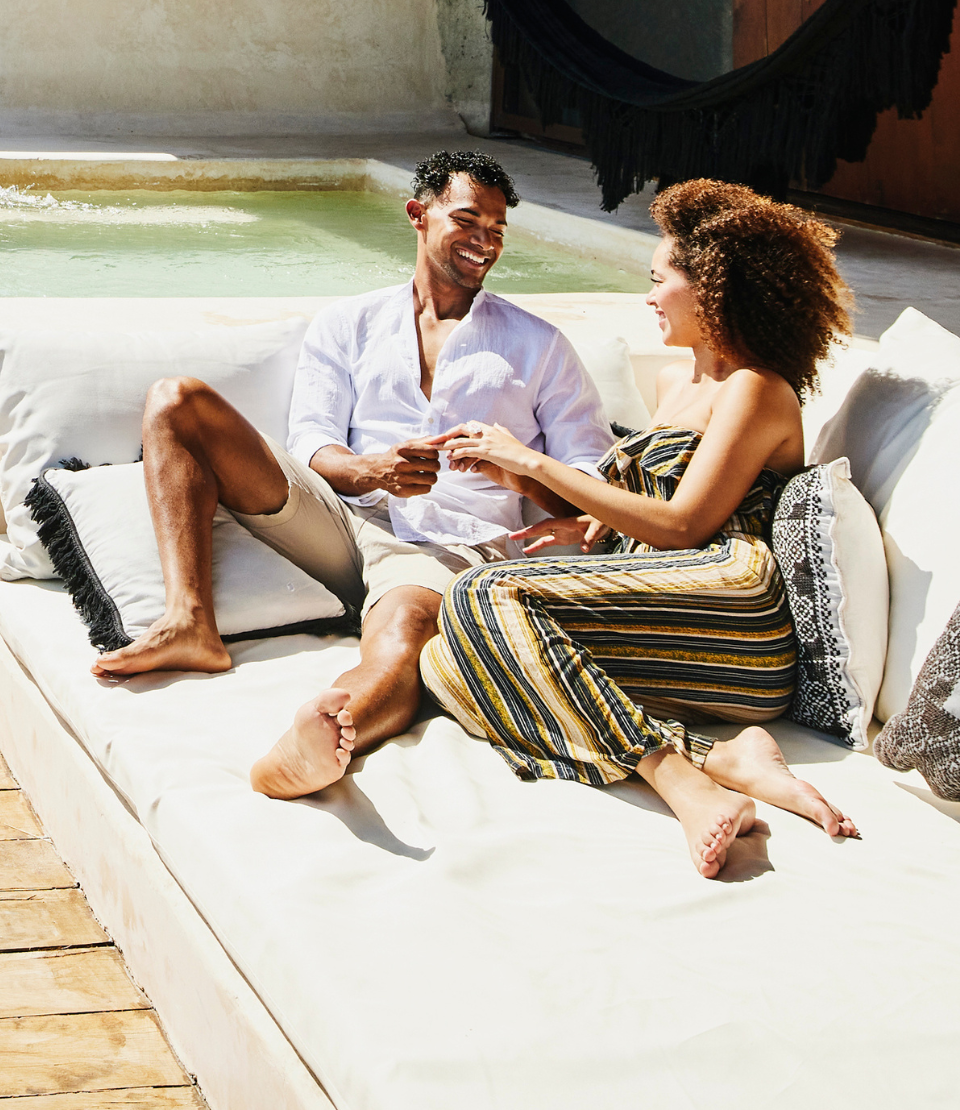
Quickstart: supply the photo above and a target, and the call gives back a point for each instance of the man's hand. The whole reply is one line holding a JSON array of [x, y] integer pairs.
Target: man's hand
[[584, 530], [405, 470]]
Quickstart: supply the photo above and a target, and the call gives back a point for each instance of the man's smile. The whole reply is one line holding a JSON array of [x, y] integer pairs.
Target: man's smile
[[473, 257]]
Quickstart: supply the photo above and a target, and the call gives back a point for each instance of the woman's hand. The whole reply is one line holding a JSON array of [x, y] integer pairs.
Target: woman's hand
[[473, 444], [583, 530]]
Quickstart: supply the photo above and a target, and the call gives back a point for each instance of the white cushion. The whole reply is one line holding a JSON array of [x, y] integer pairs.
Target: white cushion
[[607, 361], [900, 427], [68, 393], [830, 552], [838, 373], [97, 526]]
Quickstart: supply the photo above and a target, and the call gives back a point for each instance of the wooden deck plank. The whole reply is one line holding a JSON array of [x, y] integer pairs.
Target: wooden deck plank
[[66, 982], [17, 819], [136, 1098], [47, 919], [32, 865], [85, 1052]]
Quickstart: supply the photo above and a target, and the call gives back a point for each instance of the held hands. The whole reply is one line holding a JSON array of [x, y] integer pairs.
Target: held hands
[[583, 530], [489, 450], [409, 469]]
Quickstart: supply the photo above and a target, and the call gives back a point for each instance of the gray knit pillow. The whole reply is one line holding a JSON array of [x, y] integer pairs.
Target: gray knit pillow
[[926, 735]]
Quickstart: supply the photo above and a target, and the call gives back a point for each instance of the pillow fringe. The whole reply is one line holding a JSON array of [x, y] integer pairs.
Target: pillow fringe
[[59, 536], [90, 598]]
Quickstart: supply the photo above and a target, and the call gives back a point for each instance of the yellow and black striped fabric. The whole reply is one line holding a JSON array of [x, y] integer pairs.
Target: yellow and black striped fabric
[[560, 661]]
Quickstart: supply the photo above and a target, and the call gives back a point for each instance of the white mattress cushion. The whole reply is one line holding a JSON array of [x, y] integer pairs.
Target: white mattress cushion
[[97, 527], [74, 393], [900, 427], [433, 933], [828, 545]]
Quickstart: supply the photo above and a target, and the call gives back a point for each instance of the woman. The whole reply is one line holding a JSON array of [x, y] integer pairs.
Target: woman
[[584, 667]]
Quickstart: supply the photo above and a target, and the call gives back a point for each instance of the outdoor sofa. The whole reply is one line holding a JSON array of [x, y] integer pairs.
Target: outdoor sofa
[[431, 933]]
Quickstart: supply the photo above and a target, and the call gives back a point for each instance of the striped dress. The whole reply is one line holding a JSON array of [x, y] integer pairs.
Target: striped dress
[[578, 667]]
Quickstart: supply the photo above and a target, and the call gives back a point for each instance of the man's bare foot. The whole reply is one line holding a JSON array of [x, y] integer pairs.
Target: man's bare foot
[[753, 764], [712, 819], [312, 753], [167, 645]]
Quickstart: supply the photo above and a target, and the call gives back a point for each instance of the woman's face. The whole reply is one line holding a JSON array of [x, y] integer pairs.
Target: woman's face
[[673, 298]]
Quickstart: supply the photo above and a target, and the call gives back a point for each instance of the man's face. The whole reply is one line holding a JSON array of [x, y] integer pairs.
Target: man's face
[[462, 230]]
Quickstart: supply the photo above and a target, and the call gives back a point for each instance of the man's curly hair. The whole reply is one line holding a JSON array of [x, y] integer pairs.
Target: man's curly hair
[[764, 276], [432, 175]]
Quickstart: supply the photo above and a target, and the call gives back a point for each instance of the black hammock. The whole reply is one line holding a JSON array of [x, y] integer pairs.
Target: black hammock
[[787, 117]]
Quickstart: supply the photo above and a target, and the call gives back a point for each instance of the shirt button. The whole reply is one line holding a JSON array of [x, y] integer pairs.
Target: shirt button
[[430, 421]]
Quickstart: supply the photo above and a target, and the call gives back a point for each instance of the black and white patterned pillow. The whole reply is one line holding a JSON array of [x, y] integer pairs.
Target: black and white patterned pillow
[[926, 735], [830, 552]]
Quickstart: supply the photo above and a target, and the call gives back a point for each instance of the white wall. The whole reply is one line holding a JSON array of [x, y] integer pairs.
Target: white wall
[[235, 66]]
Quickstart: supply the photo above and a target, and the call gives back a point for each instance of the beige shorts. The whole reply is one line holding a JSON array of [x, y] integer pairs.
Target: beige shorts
[[352, 548]]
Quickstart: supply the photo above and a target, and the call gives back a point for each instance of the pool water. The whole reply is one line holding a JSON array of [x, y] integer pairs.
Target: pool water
[[245, 244]]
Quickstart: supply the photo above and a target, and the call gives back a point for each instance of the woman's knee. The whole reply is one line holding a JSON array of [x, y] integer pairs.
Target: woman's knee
[[496, 583]]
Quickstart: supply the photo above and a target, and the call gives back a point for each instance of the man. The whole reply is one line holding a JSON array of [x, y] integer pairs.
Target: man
[[363, 500]]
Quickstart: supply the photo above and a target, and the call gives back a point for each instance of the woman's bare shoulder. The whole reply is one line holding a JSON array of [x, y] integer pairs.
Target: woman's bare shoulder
[[766, 387], [764, 405]]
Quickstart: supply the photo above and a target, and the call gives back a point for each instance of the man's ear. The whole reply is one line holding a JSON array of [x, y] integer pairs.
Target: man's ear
[[415, 213]]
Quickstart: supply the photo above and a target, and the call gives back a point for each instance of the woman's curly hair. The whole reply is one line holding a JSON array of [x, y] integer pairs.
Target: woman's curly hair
[[764, 275]]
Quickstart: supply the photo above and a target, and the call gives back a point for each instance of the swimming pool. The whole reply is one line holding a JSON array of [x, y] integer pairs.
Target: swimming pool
[[146, 243]]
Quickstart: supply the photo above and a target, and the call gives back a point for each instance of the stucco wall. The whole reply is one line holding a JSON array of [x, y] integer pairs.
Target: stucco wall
[[241, 65], [468, 52]]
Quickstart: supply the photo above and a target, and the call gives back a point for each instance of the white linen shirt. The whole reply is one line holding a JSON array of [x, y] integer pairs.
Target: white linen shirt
[[358, 385]]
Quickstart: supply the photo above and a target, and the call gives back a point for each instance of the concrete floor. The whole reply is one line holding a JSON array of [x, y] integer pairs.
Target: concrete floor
[[888, 272]]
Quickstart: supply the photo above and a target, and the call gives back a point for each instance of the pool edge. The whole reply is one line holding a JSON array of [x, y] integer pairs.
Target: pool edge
[[587, 238]]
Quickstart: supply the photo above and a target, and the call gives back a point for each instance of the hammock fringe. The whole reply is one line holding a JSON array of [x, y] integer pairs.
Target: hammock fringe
[[788, 117]]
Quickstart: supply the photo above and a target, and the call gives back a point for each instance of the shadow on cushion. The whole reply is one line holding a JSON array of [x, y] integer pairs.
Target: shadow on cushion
[[879, 427]]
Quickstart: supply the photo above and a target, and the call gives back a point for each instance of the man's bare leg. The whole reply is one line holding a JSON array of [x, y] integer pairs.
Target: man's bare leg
[[197, 450], [753, 764], [712, 817], [383, 692]]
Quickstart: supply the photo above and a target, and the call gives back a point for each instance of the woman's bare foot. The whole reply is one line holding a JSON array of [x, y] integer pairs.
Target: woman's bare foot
[[753, 764], [168, 645], [712, 819], [312, 753]]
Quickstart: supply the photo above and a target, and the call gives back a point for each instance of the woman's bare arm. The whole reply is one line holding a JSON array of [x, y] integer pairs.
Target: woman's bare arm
[[754, 414]]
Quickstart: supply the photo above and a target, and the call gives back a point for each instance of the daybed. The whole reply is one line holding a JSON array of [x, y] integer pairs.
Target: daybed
[[431, 933]]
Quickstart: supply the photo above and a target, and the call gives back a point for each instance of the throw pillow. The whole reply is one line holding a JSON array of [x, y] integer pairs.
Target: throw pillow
[[828, 545], [926, 734], [96, 525], [900, 428], [607, 361], [68, 393]]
